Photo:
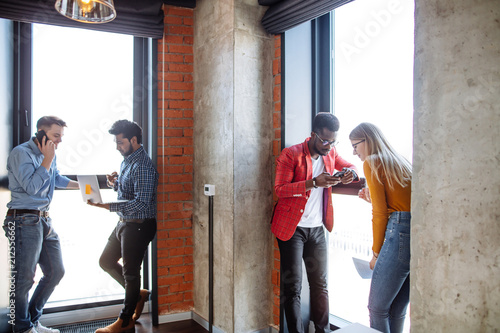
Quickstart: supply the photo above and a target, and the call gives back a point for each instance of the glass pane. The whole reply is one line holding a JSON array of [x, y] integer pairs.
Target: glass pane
[[85, 78], [373, 83], [298, 95], [351, 237]]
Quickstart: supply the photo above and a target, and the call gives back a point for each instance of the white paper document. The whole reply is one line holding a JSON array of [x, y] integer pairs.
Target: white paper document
[[363, 268]]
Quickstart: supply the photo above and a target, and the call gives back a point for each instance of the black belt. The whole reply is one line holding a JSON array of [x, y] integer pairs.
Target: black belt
[[132, 220], [15, 212]]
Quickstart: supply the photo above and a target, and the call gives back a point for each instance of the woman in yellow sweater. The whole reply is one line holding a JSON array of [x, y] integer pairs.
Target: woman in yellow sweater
[[388, 175]]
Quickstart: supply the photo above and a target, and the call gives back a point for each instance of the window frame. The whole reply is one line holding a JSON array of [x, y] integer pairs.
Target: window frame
[[321, 70], [144, 113]]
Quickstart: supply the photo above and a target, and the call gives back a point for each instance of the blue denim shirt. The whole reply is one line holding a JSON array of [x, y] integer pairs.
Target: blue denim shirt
[[30, 184], [137, 183]]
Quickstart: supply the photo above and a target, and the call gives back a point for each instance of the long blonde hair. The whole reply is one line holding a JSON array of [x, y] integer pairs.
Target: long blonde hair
[[382, 158]]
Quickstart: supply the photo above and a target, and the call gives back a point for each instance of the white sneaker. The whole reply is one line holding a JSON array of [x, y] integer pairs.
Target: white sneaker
[[31, 330], [39, 328]]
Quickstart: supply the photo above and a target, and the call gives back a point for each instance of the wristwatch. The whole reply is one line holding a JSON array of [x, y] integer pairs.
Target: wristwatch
[[314, 182]]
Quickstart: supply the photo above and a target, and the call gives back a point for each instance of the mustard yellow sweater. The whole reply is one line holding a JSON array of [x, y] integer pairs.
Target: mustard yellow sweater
[[384, 201]]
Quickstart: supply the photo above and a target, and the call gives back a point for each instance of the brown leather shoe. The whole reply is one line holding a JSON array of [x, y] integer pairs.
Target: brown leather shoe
[[144, 294], [117, 327]]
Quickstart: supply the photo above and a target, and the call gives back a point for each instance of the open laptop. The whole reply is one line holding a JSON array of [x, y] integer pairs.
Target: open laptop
[[89, 187]]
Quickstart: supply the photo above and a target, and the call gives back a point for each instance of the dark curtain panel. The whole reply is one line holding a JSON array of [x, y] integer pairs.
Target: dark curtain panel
[[181, 3], [286, 14], [140, 18]]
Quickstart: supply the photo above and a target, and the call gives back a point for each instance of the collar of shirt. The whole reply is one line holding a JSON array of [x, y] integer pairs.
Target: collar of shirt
[[134, 156], [34, 147]]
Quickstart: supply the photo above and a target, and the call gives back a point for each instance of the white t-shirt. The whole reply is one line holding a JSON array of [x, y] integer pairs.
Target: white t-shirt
[[313, 212]]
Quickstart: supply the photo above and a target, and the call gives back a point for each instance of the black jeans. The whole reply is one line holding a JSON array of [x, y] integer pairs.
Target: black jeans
[[308, 244], [129, 241]]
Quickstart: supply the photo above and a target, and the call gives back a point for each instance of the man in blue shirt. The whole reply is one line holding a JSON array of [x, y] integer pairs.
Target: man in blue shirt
[[33, 175], [136, 183]]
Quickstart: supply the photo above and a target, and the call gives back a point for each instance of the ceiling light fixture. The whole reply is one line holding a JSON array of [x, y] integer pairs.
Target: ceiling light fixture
[[87, 11]]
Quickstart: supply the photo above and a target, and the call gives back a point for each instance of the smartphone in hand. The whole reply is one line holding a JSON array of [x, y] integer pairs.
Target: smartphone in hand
[[339, 174]]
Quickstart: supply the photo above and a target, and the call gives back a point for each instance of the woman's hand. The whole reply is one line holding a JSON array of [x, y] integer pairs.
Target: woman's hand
[[364, 194], [372, 262]]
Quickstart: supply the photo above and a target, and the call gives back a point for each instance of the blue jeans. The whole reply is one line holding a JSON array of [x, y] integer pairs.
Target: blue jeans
[[308, 244], [129, 241], [32, 241], [390, 286]]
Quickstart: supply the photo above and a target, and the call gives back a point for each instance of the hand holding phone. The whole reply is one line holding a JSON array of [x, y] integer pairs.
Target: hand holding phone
[[347, 175], [47, 147], [44, 143], [339, 174], [326, 180]]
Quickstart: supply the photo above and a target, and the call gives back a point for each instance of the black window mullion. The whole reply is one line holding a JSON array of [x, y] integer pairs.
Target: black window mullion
[[145, 114], [145, 88], [316, 84], [140, 69], [322, 65], [22, 82]]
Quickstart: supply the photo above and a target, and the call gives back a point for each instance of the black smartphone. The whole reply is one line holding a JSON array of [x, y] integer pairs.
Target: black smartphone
[[339, 174], [39, 136]]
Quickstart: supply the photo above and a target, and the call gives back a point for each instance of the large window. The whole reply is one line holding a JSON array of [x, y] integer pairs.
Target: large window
[[90, 79], [86, 78], [373, 83]]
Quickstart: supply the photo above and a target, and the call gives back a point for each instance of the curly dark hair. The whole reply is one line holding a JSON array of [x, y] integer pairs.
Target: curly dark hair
[[128, 128]]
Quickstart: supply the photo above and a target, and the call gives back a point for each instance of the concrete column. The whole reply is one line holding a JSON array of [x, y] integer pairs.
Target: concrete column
[[455, 285], [232, 150]]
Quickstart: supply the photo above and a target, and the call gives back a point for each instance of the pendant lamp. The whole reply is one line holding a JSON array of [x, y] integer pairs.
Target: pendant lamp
[[87, 11]]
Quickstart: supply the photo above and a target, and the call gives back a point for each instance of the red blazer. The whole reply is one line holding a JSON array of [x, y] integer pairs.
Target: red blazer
[[293, 169]]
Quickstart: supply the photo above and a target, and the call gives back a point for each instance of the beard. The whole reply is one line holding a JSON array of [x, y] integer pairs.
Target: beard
[[128, 152], [322, 152]]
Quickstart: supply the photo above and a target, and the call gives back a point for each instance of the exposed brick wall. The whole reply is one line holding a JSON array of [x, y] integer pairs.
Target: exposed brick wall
[[175, 162], [276, 152]]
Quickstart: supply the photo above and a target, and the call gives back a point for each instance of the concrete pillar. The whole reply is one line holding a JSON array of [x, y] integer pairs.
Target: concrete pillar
[[232, 150], [455, 285]]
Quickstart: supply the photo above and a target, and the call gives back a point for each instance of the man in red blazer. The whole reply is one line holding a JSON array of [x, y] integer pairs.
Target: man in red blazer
[[304, 177]]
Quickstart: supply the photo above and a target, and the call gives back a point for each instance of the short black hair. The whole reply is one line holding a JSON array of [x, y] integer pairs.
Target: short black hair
[[48, 121], [128, 128], [325, 120]]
